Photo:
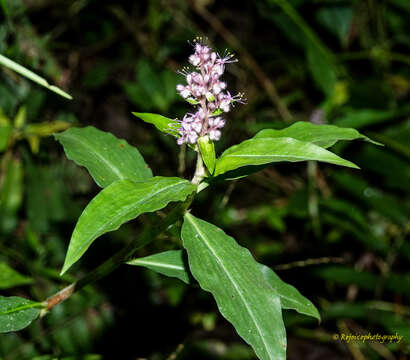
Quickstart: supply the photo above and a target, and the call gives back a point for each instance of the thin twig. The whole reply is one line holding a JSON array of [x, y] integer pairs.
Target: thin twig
[[308, 262], [313, 200], [176, 353], [353, 346]]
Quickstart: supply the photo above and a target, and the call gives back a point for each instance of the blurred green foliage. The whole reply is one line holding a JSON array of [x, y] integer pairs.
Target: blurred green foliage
[[339, 236]]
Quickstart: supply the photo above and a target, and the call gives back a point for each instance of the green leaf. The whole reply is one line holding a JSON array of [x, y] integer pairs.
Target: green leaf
[[10, 278], [106, 157], [309, 35], [120, 202], [365, 117], [5, 134], [320, 135], [207, 149], [32, 76], [5, 131], [16, 313], [338, 20], [154, 88], [20, 118], [162, 123], [170, 263], [290, 297], [234, 278], [46, 128], [268, 150]]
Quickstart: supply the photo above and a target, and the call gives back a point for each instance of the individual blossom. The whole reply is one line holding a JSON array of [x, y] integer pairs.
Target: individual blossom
[[207, 92]]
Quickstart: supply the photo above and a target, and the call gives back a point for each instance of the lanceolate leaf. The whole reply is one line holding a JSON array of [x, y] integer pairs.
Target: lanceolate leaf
[[170, 263], [16, 313], [207, 149], [268, 150], [162, 123], [290, 298], [10, 278], [120, 202], [106, 157], [234, 278], [321, 135]]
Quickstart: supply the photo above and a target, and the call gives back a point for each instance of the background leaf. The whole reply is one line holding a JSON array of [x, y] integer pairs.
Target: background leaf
[[265, 150], [120, 202], [16, 313], [322, 68], [170, 263], [10, 278], [11, 193], [106, 157], [234, 278]]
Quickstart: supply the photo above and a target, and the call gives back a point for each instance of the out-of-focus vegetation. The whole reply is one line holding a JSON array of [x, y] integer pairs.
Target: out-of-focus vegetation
[[339, 236]]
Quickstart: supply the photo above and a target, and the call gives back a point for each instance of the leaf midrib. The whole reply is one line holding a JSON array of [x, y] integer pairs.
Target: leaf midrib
[[160, 265], [268, 156], [233, 282]]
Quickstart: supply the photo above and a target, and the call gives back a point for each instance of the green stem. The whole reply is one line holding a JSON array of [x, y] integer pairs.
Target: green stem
[[199, 170]]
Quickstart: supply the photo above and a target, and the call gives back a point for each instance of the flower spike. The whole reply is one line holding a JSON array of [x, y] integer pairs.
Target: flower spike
[[206, 91]]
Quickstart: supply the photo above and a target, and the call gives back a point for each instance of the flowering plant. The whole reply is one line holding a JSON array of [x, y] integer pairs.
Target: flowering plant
[[204, 88], [248, 294]]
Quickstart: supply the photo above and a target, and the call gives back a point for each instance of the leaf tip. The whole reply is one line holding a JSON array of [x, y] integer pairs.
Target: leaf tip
[[66, 266], [376, 142]]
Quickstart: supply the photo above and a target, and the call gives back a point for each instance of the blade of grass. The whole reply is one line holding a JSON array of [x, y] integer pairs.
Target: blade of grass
[[32, 76]]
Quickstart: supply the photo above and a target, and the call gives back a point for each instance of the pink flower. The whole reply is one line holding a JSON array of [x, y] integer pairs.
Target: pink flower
[[205, 89]]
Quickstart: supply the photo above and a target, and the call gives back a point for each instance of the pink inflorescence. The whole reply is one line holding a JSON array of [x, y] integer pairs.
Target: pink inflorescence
[[208, 93]]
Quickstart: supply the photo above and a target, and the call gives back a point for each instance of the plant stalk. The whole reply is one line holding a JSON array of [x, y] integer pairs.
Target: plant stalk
[[200, 171]]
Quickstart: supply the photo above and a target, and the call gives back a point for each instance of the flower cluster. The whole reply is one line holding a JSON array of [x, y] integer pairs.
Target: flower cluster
[[206, 91]]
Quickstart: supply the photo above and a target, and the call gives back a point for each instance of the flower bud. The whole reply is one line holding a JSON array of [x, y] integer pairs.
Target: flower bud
[[210, 97]]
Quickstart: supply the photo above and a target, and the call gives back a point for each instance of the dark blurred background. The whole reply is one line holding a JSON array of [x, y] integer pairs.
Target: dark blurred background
[[340, 236]]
